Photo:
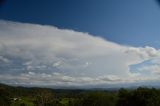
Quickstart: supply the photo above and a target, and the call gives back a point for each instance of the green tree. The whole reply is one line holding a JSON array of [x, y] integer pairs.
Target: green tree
[[139, 97], [44, 98], [4, 97], [99, 99], [123, 98]]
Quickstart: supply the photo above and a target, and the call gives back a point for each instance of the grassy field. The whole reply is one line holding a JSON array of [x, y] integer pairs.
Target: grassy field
[[23, 101]]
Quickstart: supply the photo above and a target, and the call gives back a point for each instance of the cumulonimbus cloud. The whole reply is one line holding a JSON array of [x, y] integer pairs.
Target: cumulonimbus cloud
[[40, 54]]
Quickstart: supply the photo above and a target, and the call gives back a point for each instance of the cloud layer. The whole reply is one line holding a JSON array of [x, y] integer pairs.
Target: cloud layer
[[32, 54]]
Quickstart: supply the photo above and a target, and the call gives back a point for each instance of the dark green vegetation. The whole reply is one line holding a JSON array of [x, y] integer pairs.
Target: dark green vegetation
[[22, 96]]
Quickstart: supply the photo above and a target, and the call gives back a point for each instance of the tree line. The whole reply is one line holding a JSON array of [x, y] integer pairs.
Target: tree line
[[23, 96]]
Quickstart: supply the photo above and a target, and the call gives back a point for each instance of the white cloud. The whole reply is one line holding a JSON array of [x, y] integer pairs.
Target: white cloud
[[78, 58], [145, 53], [3, 59]]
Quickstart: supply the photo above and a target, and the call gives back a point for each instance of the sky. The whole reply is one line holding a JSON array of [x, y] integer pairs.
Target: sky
[[84, 43]]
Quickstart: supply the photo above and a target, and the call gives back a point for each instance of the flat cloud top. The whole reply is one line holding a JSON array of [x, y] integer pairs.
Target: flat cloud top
[[32, 54]]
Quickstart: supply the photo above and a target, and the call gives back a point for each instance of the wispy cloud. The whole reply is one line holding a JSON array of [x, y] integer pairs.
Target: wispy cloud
[[40, 54]]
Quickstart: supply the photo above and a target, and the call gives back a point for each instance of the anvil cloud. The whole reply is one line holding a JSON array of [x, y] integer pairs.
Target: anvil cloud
[[32, 54]]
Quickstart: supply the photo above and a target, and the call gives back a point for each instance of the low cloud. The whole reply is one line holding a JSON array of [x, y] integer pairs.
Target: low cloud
[[40, 55]]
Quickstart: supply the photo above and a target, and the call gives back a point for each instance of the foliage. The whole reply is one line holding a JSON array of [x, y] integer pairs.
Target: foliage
[[23, 96], [4, 97], [99, 99], [139, 97]]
